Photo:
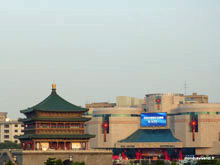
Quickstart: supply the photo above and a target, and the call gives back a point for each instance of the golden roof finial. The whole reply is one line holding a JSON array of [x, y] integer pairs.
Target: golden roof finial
[[54, 86]]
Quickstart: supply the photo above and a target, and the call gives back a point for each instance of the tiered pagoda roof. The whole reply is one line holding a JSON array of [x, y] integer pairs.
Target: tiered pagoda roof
[[151, 135], [55, 103], [54, 120]]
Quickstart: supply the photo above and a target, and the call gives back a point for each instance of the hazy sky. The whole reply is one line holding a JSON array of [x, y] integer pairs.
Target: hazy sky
[[97, 50]]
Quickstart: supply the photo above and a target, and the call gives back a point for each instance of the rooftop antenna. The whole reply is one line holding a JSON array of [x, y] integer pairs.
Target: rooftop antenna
[[185, 88]]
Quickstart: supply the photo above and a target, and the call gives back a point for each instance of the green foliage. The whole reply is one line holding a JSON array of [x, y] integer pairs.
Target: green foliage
[[9, 163], [59, 162], [159, 162], [209, 162], [53, 161], [173, 163], [78, 163], [9, 145], [50, 161]]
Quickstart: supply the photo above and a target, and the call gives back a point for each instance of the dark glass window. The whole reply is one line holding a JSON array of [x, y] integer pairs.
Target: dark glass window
[[67, 125], [6, 131], [16, 125], [60, 125], [53, 125], [6, 125], [6, 136]]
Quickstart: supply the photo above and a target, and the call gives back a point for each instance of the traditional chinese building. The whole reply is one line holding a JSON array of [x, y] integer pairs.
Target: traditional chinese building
[[54, 124]]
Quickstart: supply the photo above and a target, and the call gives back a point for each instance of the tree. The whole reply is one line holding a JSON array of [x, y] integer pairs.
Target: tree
[[9, 163], [50, 161], [53, 161], [9, 145], [59, 162]]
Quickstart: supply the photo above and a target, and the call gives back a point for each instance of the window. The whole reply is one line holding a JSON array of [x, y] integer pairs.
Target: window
[[74, 125], [16, 125], [53, 125], [16, 130], [6, 131], [219, 136], [16, 141], [60, 125], [22, 130], [6, 136], [6, 125], [45, 125], [67, 125]]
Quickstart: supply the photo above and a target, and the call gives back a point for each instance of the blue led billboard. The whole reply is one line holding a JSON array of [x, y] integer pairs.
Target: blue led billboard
[[153, 119]]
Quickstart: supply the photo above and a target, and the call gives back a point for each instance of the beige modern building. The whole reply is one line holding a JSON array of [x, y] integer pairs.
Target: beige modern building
[[124, 124], [93, 106], [163, 102], [3, 116], [122, 121], [207, 132], [127, 101], [123, 118], [197, 98], [9, 129]]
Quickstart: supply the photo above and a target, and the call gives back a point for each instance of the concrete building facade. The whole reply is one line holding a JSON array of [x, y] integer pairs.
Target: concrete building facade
[[197, 98], [122, 121], [207, 132], [160, 102], [127, 101], [9, 129], [180, 110]]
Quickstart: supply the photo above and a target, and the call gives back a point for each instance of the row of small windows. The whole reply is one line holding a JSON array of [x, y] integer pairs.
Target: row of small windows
[[195, 113], [116, 115], [137, 115], [7, 131], [8, 125], [59, 125]]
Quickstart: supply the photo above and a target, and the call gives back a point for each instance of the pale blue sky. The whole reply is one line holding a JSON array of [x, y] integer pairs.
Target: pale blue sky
[[97, 50]]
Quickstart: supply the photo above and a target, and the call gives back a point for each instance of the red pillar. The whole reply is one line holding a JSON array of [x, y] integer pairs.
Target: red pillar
[[33, 146], [166, 155], [123, 154], [87, 146], [81, 146], [181, 154], [137, 155]]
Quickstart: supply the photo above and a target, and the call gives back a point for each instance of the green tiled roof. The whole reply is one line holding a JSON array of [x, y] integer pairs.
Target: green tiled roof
[[81, 119], [151, 135], [67, 136], [55, 103]]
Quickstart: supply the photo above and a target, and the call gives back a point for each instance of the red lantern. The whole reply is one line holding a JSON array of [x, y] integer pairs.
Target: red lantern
[[105, 126], [193, 124], [158, 100]]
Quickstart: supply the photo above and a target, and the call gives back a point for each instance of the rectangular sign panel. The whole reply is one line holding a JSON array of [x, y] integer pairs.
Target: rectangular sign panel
[[153, 119]]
